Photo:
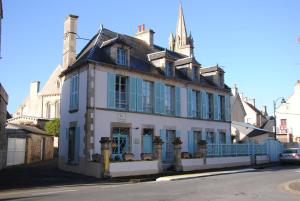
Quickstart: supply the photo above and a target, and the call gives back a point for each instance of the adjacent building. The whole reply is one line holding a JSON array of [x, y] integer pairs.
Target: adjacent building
[[3, 138], [288, 117], [248, 122], [129, 89]]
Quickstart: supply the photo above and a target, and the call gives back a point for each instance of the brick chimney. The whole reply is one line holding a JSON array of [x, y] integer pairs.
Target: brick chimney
[[145, 35], [70, 31]]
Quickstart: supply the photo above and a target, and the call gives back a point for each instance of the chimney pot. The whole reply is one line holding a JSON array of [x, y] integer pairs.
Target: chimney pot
[[143, 27]]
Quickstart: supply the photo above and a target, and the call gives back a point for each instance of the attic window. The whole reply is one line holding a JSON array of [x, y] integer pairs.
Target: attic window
[[169, 72], [121, 57]]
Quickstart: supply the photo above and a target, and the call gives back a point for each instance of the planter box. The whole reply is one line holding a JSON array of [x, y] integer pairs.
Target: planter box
[[185, 155], [146, 156], [121, 169], [128, 157]]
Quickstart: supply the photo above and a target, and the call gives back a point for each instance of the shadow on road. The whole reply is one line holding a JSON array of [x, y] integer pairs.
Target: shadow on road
[[43, 174]]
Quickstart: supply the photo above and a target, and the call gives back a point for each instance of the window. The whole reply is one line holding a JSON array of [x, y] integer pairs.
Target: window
[[121, 57], [169, 100], [57, 109], [71, 144], [196, 104], [147, 94], [169, 69], [120, 143], [283, 126], [74, 93], [48, 110], [147, 140], [222, 136], [121, 90], [210, 138], [210, 106], [197, 138], [195, 72], [222, 107]]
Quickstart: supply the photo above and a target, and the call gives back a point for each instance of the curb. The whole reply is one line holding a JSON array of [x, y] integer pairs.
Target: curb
[[206, 174]]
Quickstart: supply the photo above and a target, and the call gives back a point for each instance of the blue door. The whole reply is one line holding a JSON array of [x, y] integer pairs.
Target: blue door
[[120, 143], [147, 140], [170, 136]]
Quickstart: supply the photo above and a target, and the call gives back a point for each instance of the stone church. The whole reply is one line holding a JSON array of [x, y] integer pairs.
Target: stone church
[[40, 105]]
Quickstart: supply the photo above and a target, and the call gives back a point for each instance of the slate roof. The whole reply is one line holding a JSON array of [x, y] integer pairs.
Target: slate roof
[[254, 108], [96, 50], [31, 129]]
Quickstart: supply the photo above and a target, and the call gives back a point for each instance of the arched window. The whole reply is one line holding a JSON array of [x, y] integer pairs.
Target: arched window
[[48, 110], [57, 109]]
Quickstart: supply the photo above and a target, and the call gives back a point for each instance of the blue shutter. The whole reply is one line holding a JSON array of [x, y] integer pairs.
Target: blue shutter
[[177, 100], [228, 138], [111, 84], [216, 106], [204, 105], [227, 108], [76, 92], [77, 146], [139, 93], [178, 133], [203, 133], [191, 142], [67, 146], [157, 103], [162, 98], [164, 146], [217, 137], [189, 102], [147, 143], [132, 93]]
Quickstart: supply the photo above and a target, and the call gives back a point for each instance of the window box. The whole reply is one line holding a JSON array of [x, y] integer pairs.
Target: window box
[[128, 156], [146, 156]]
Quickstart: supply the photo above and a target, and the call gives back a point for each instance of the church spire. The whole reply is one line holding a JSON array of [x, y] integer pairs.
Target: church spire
[[181, 34]]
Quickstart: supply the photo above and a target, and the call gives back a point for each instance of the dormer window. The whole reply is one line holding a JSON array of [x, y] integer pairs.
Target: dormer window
[[121, 57], [169, 69], [195, 72]]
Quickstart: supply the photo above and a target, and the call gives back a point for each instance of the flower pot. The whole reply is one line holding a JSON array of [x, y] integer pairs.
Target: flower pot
[[128, 156], [146, 156]]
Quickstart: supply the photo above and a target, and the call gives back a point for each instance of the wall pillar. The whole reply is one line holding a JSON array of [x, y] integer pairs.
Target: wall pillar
[[177, 152], [28, 151], [105, 153], [157, 152]]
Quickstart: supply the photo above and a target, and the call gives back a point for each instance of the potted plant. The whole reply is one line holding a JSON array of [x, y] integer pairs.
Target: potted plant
[[157, 140], [128, 156], [177, 141], [146, 156]]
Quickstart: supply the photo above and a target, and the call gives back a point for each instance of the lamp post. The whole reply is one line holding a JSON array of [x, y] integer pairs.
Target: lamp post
[[274, 105]]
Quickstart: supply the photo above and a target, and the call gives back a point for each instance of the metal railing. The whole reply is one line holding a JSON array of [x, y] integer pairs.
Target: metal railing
[[219, 150]]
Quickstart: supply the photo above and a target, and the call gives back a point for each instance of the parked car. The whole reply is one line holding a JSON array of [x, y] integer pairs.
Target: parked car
[[291, 155]]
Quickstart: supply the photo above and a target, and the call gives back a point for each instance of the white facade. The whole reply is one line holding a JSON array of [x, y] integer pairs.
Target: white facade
[[289, 113]]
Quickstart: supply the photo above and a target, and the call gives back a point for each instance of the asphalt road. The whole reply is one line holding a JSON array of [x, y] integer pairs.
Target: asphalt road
[[265, 184]]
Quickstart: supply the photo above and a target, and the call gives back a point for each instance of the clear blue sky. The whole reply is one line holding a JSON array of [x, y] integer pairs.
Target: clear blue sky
[[255, 40]]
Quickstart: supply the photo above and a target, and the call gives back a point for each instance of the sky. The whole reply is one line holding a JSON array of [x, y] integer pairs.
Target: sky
[[255, 41]]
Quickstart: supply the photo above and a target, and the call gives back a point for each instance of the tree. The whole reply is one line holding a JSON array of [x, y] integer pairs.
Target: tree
[[52, 127]]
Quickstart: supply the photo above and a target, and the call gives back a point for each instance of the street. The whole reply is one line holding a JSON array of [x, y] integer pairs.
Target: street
[[262, 184]]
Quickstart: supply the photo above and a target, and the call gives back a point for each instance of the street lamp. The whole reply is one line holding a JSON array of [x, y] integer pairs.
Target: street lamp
[[274, 105]]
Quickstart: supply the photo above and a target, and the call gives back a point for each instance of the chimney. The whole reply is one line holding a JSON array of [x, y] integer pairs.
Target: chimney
[[264, 110], [70, 31], [34, 88], [145, 35]]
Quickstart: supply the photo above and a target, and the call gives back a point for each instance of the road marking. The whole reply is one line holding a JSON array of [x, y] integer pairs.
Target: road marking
[[52, 192]]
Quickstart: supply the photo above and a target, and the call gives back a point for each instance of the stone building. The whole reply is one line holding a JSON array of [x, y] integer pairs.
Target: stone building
[[288, 117], [43, 103], [3, 113], [27, 144], [131, 90]]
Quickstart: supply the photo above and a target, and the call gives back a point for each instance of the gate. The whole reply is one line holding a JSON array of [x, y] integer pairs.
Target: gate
[[274, 149], [16, 151]]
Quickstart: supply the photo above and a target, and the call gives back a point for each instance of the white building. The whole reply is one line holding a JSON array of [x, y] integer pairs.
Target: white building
[[44, 104], [130, 90], [288, 117]]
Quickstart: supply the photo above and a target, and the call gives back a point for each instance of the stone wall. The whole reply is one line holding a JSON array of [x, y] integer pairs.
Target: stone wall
[[3, 139], [34, 145]]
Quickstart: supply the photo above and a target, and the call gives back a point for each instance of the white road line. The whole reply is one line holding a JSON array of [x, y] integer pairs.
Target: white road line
[[52, 192]]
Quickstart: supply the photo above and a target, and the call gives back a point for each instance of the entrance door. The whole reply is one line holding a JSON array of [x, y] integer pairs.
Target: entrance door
[[120, 143], [170, 136]]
